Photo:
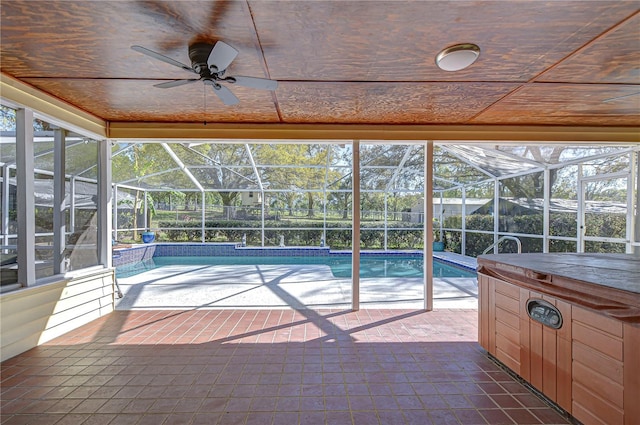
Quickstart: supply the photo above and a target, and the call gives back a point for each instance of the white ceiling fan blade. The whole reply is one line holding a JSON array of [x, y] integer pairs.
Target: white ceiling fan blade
[[221, 56], [175, 83], [254, 82], [162, 58], [225, 95]]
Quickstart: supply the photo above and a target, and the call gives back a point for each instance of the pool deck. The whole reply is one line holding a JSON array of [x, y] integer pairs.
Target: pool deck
[[183, 287], [469, 262]]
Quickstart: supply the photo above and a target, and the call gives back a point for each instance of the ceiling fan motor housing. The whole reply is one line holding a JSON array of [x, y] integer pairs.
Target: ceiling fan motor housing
[[199, 53]]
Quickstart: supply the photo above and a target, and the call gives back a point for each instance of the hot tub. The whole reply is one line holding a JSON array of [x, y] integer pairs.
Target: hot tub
[[569, 325]]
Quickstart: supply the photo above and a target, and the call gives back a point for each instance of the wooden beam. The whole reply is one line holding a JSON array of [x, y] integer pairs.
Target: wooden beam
[[476, 133]]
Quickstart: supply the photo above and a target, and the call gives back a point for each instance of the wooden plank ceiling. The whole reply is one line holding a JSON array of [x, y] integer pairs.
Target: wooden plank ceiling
[[337, 62]]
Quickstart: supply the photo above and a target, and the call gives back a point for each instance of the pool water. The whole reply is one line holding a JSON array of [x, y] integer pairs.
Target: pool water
[[396, 266], [370, 266]]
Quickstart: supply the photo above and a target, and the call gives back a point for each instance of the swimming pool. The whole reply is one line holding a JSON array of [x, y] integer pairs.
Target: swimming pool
[[371, 266]]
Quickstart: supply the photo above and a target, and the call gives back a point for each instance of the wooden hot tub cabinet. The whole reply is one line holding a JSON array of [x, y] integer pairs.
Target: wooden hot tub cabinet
[[590, 366]]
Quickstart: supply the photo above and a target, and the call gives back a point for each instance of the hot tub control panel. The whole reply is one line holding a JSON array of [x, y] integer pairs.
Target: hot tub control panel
[[544, 312]]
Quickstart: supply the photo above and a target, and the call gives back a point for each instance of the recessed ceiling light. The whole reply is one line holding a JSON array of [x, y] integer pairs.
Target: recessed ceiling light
[[458, 57]]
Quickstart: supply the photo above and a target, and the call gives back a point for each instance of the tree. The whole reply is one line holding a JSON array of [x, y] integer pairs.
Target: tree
[[394, 169], [531, 186], [224, 168], [7, 118], [341, 195], [339, 182], [306, 176], [141, 165]]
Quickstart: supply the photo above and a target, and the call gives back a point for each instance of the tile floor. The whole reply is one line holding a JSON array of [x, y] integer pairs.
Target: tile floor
[[277, 366]]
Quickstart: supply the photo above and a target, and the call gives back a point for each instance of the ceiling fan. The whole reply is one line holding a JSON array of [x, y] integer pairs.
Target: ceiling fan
[[210, 63]]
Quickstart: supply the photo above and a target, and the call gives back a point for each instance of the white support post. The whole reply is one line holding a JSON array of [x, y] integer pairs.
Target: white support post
[[263, 200], [496, 213], [634, 205], [115, 212], [441, 218], [546, 208], [59, 205], [633, 228], [386, 229], [463, 248], [580, 217], [428, 226], [355, 224], [25, 197], [204, 202], [5, 204], [146, 211], [107, 204], [72, 204], [323, 238]]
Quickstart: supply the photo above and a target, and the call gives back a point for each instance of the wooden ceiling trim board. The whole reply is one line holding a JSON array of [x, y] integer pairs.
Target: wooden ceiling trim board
[[557, 104], [497, 101], [576, 53], [74, 119], [480, 133], [258, 42]]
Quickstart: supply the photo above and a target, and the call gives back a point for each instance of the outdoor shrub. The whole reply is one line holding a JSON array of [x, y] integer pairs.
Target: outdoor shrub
[[338, 233], [477, 242], [563, 224], [478, 222], [610, 225], [339, 238], [529, 224], [562, 246], [405, 239]]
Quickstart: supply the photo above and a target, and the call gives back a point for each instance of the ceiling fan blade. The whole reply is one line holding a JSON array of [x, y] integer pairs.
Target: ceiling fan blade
[[175, 83], [253, 82], [221, 56], [225, 95], [162, 58]]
